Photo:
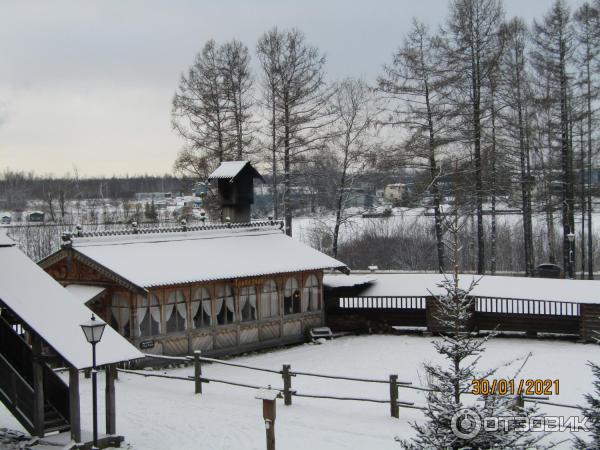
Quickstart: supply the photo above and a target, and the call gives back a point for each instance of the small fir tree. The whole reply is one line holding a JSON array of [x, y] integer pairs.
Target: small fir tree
[[450, 424]]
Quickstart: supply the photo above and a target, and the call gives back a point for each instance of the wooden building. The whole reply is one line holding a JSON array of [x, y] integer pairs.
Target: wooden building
[[222, 289], [235, 184], [387, 300], [39, 327]]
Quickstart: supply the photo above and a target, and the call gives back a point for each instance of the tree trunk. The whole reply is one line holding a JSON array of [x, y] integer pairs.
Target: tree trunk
[[476, 92], [590, 253], [287, 188], [435, 190], [274, 156], [492, 156]]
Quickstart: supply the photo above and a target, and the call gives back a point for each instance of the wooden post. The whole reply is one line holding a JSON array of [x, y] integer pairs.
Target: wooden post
[[287, 384], [268, 397], [394, 409], [519, 402], [38, 387], [74, 404], [197, 372], [110, 404]]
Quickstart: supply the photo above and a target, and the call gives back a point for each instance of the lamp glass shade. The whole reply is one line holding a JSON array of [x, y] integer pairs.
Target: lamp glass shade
[[93, 330], [571, 237]]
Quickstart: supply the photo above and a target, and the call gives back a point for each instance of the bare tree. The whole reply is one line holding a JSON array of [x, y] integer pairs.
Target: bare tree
[[300, 100], [471, 38], [515, 94], [353, 110], [237, 84], [413, 87], [269, 49], [587, 19], [211, 108], [553, 50]]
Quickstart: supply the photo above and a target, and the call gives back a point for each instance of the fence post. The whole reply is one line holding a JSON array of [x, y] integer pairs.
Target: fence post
[[394, 409], [197, 372], [287, 384]]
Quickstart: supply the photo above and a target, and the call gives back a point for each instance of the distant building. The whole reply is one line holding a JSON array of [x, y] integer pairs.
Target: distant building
[[5, 219], [394, 192], [36, 216], [200, 189], [152, 196]]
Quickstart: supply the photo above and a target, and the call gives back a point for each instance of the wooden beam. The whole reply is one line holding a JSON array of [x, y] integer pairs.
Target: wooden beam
[[110, 405], [38, 387], [74, 404]]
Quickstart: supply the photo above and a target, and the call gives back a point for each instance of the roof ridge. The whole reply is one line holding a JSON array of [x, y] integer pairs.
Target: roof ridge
[[69, 237]]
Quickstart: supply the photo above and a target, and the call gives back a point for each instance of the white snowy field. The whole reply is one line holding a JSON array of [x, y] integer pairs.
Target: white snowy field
[[163, 414], [406, 218]]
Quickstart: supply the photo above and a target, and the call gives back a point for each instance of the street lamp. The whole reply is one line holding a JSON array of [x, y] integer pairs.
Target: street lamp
[[571, 238], [93, 330]]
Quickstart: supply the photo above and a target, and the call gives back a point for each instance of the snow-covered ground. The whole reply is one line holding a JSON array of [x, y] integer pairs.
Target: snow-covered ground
[[406, 218], [162, 414]]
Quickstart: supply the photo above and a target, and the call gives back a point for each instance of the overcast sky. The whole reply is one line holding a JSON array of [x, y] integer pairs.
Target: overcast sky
[[89, 84]]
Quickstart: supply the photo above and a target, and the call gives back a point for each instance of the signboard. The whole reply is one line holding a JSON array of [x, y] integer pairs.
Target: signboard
[[146, 344]]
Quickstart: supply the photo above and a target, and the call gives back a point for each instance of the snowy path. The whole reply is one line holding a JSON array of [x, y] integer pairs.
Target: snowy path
[[163, 414]]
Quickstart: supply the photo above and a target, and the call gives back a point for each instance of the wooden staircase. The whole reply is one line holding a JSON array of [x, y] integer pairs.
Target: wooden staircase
[[17, 390]]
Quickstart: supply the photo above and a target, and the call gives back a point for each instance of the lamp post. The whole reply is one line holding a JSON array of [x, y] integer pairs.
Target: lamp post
[[93, 330], [571, 238]]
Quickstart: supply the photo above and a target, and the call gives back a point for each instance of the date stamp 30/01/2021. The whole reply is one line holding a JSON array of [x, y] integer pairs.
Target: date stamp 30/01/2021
[[504, 386]]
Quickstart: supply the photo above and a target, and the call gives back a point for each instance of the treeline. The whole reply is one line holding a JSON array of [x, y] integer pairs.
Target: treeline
[[18, 187], [501, 106]]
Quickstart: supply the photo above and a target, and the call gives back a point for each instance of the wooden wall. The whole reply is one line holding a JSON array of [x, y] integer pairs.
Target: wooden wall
[[214, 340]]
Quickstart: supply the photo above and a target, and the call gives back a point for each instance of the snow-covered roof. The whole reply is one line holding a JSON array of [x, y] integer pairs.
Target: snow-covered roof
[[84, 293], [160, 259], [419, 285], [230, 169], [54, 313], [335, 281], [5, 241]]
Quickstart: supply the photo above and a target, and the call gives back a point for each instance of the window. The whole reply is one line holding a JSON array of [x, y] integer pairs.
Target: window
[[201, 308], [120, 314], [291, 297], [176, 312], [224, 304], [248, 303], [269, 300], [310, 300], [148, 315]]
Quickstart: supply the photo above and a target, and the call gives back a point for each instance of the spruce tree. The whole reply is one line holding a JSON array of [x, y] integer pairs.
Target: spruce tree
[[450, 423]]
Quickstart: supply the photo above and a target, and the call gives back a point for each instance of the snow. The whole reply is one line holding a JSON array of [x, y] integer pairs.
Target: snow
[[162, 414], [159, 259], [85, 293], [228, 170], [420, 285], [54, 313], [333, 281], [5, 241]]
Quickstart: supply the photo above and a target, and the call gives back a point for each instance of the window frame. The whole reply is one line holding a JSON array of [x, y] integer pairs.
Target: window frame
[[204, 297], [291, 302], [181, 322]]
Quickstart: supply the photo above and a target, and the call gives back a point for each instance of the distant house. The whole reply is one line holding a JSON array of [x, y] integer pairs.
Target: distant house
[[36, 216], [5, 219], [152, 196], [394, 192]]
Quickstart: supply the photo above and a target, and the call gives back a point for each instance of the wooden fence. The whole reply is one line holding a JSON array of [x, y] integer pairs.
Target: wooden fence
[[286, 392]]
